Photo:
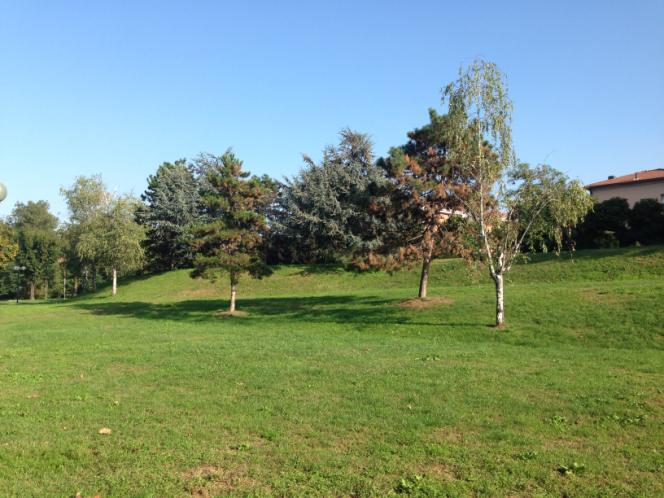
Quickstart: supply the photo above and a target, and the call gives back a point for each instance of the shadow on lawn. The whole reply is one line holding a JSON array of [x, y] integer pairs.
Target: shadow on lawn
[[337, 309]]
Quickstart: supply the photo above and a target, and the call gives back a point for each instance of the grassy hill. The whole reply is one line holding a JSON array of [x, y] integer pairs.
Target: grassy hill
[[332, 386]]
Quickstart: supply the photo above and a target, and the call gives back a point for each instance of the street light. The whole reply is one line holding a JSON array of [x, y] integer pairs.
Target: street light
[[18, 270], [3, 192]]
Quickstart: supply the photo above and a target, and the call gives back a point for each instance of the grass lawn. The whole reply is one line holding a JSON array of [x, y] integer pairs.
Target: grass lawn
[[328, 387]]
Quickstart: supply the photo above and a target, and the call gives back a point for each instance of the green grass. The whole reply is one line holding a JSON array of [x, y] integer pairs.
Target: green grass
[[326, 388]]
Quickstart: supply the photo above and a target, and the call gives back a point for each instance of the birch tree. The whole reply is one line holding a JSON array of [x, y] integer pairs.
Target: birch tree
[[508, 204], [113, 238]]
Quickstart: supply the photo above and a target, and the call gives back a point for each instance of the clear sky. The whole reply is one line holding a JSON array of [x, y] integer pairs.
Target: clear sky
[[116, 87]]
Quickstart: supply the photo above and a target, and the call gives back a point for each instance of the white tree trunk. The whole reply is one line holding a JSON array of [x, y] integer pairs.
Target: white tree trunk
[[500, 299], [233, 295], [115, 281]]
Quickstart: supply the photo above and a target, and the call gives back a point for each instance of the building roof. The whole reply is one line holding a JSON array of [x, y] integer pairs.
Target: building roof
[[648, 175]]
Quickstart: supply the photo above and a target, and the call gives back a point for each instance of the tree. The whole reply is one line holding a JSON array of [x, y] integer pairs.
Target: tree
[[646, 221], [507, 203], [37, 242], [425, 194], [324, 212], [607, 225], [113, 239], [231, 238], [172, 206], [86, 199], [8, 246]]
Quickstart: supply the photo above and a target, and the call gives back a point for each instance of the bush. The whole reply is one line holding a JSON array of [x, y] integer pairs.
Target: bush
[[646, 221]]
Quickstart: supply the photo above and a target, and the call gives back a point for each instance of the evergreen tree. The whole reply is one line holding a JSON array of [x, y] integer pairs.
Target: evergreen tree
[[172, 206], [230, 241], [426, 188], [324, 212]]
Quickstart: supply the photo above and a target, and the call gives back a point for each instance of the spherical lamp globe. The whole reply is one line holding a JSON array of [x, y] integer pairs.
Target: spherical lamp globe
[[3, 192]]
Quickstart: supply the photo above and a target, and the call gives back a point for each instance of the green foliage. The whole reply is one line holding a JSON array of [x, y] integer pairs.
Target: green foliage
[[508, 204], [231, 239], [8, 246], [112, 238], [606, 225], [38, 247], [172, 207], [33, 215], [87, 199], [323, 214], [646, 222]]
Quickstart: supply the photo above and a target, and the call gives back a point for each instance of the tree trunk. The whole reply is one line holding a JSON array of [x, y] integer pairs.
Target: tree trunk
[[32, 291], [45, 289], [94, 280], [115, 281], [424, 278], [500, 299], [233, 293], [426, 265]]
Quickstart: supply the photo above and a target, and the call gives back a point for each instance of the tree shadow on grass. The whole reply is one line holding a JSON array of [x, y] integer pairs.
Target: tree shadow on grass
[[345, 309]]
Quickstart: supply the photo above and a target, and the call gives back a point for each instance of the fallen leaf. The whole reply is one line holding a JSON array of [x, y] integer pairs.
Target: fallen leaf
[[105, 430]]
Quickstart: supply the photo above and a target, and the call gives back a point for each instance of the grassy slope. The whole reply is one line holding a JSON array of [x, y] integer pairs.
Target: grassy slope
[[327, 388]]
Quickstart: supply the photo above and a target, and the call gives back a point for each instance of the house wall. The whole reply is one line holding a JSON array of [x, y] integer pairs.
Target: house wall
[[632, 192]]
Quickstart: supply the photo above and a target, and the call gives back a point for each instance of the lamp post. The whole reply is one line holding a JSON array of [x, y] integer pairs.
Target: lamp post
[[3, 192], [18, 270]]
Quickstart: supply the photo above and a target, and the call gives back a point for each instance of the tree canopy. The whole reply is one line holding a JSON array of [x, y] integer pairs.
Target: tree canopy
[[230, 240]]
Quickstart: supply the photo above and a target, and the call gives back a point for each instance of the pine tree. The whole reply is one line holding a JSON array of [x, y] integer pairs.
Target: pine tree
[[230, 242], [424, 200]]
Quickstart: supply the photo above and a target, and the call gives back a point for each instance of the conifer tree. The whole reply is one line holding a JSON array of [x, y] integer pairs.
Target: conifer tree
[[324, 213], [423, 200], [172, 205], [230, 242]]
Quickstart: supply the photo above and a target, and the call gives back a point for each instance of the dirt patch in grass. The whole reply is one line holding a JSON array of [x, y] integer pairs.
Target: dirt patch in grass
[[210, 480], [603, 296], [448, 435], [422, 304], [437, 470]]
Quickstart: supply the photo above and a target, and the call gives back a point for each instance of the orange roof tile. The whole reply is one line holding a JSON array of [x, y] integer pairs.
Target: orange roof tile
[[648, 175]]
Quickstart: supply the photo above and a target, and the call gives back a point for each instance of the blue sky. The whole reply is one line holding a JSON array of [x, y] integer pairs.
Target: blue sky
[[117, 87]]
